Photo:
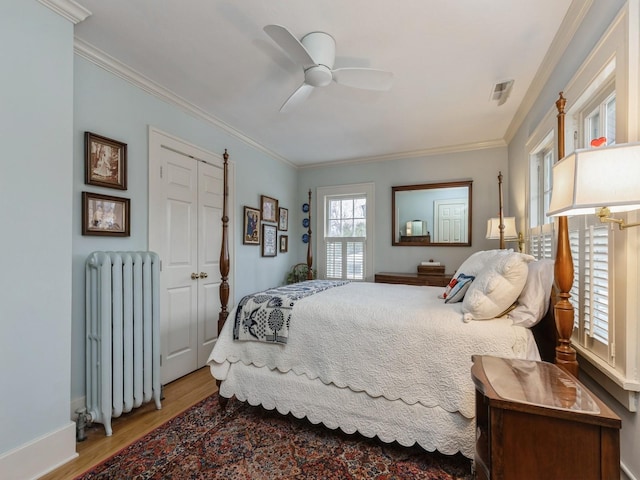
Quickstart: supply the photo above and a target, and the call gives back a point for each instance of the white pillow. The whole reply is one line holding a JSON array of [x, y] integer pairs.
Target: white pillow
[[533, 302], [478, 260], [496, 287]]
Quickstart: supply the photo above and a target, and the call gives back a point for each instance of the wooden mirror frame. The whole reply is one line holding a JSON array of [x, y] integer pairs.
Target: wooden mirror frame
[[422, 242]]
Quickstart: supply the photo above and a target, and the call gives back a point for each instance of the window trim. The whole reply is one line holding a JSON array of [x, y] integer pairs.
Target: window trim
[[367, 189]]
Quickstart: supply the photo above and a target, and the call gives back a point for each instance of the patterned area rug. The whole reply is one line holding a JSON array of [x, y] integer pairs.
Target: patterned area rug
[[246, 442]]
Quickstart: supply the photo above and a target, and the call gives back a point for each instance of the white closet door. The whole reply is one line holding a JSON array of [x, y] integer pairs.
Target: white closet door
[[210, 188], [185, 229], [179, 310]]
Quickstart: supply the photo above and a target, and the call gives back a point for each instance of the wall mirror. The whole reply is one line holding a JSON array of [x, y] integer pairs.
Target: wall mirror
[[433, 214]]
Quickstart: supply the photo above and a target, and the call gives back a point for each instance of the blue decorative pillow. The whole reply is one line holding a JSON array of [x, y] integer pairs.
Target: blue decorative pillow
[[459, 289]]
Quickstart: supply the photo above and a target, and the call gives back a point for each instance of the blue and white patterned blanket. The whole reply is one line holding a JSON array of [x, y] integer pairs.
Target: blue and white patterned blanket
[[266, 316]]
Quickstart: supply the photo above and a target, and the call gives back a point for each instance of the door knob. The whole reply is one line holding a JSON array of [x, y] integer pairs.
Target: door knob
[[195, 276], [204, 274]]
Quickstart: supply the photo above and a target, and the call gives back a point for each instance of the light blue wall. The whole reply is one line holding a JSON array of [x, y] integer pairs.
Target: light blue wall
[[36, 100], [110, 106], [481, 166]]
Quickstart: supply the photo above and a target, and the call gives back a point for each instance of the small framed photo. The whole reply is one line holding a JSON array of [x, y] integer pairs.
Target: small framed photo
[[105, 215], [284, 243], [283, 219], [251, 229], [269, 208], [105, 162], [269, 240]]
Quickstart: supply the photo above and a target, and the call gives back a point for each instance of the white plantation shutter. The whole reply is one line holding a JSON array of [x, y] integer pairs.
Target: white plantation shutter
[[334, 258], [345, 258], [574, 242], [541, 241], [590, 291], [597, 282]]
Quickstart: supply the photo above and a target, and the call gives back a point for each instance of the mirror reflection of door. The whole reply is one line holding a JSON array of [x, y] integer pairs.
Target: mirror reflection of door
[[417, 220], [450, 221]]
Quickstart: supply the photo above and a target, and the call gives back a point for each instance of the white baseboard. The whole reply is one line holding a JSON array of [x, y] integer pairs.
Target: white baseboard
[[40, 456], [626, 473]]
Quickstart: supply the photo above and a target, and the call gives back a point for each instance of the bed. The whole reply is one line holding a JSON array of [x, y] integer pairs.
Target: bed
[[393, 361]]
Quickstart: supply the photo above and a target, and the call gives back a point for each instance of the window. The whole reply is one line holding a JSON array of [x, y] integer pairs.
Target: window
[[590, 244], [540, 235], [345, 236], [600, 121], [345, 242]]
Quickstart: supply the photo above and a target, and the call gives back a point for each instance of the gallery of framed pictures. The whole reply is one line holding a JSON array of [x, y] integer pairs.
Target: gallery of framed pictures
[[105, 215], [105, 162]]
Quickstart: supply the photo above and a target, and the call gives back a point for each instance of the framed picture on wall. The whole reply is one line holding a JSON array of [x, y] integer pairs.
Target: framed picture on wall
[[283, 219], [269, 208], [105, 215], [105, 162], [251, 228], [269, 240], [284, 243]]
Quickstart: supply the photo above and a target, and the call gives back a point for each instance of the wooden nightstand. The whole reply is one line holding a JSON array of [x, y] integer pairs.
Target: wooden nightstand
[[535, 421], [413, 279]]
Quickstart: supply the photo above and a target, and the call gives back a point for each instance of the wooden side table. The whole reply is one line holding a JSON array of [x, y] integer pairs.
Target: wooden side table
[[535, 421], [413, 279]]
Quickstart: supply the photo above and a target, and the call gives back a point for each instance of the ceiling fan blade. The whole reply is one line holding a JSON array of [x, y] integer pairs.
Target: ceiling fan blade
[[366, 78], [290, 44], [297, 97]]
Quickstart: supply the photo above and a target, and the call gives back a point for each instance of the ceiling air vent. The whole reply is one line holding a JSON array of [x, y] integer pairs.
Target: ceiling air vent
[[501, 91]]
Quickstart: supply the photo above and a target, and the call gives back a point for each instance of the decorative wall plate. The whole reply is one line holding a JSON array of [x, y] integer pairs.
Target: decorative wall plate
[[305, 222], [305, 207], [305, 238]]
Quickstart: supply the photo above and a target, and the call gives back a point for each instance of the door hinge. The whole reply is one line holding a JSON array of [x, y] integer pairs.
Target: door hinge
[[160, 172]]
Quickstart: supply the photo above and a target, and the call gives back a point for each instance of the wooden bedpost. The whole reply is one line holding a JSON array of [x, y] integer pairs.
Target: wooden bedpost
[[565, 353], [224, 261], [309, 251]]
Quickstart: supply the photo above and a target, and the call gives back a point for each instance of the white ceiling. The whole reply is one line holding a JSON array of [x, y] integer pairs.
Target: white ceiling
[[445, 55]]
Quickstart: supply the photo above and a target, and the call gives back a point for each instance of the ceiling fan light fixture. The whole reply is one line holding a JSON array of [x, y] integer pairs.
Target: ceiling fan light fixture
[[500, 91], [318, 76]]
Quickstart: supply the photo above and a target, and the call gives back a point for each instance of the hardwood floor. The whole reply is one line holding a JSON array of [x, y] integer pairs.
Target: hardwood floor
[[178, 396]]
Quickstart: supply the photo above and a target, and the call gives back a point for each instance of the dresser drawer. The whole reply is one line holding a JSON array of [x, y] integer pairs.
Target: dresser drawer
[[413, 279]]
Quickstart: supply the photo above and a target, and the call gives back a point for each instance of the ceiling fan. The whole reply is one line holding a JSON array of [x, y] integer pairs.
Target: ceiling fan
[[316, 52]]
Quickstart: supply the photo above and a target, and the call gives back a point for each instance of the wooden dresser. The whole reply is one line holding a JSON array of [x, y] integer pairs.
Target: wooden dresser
[[535, 421], [413, 279]]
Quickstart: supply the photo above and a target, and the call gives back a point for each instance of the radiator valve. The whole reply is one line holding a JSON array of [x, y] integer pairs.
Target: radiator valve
[[82, 421]]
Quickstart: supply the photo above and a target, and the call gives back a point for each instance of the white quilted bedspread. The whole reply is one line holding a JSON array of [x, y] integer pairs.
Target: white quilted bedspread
[[392, 341]]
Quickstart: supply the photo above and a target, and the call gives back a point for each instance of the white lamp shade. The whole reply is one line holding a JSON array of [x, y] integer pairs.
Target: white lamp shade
[[493, 228], [587, 180]]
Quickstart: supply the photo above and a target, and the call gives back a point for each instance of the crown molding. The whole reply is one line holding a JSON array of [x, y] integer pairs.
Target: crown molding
[[110, 64], [72, 11], [570, 24], [467, 147]]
